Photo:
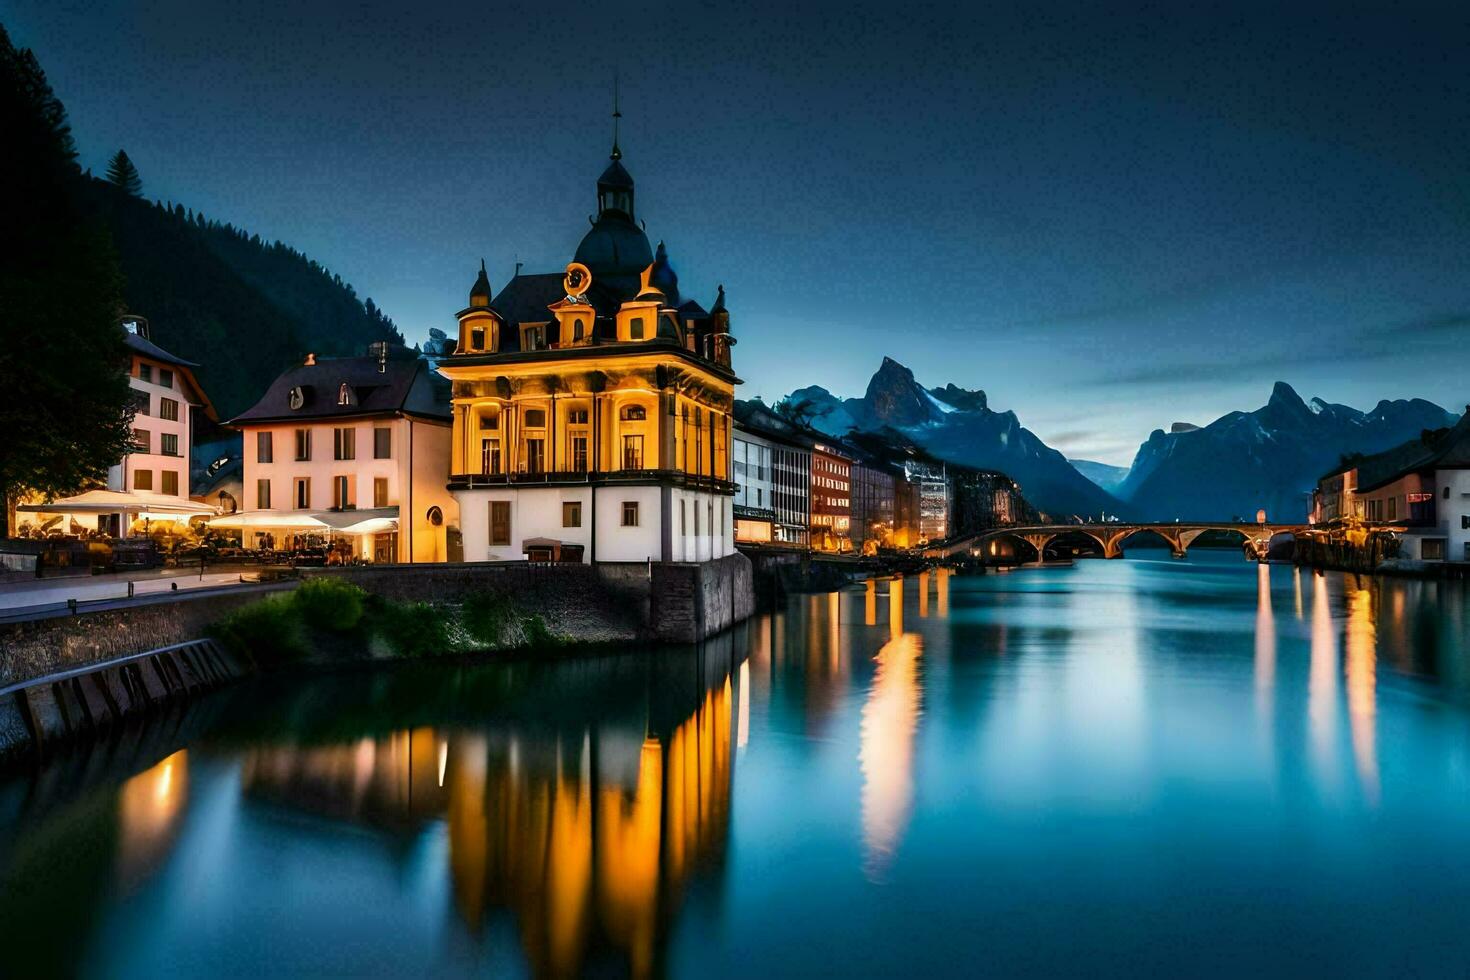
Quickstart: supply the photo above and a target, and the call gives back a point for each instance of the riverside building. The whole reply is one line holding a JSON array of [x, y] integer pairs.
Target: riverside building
[[592, 407], [1419, 491], [790, 473], [150, 485], [347, 456]]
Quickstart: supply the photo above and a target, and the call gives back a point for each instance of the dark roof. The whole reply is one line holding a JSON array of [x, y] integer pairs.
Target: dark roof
[[144, 347], [528, 298], [616, 175], [482, 284], [758, 417], [615, 248], [148, 348], [406, 386], [1448, 447]]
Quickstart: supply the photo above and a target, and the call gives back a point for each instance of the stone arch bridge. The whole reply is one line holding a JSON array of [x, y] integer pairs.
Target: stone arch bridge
[[1111, 536]]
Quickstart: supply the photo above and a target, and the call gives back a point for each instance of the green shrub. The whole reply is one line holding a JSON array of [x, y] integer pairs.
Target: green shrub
[[270, 631], [538, 634], [330, 603], [412, 629], [487, 616]]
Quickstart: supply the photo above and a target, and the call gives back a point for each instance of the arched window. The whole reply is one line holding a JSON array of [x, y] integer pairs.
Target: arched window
[[344, 395], [634, 413], [579, 330], [435, 516]]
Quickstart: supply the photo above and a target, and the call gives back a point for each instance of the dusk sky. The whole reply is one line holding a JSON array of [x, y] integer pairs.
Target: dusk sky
[[1107, 222]]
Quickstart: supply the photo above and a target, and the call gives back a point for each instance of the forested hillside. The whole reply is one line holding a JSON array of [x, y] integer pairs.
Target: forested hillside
[[243, 308]]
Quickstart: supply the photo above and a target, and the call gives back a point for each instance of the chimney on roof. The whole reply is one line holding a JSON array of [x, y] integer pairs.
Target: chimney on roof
[[379, 348], [310, 360]]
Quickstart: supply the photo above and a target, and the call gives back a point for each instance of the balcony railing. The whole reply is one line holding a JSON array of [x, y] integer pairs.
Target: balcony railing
[[474, 481]]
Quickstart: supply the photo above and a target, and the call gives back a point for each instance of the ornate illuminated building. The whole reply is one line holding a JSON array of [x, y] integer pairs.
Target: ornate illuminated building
[[592, 407]]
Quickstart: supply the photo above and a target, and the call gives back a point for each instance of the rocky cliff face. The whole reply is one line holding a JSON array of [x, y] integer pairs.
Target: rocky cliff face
[[957, 425], [1268, 458]]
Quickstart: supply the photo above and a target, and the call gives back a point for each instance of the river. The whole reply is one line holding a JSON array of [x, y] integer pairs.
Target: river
[[1202, 767]]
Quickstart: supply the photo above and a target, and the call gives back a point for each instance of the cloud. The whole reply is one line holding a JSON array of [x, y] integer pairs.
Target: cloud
[[1374, 344], [1431, 323]]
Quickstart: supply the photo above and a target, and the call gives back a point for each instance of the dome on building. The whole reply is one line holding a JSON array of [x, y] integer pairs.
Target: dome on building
[[615, 248], [664, 278]]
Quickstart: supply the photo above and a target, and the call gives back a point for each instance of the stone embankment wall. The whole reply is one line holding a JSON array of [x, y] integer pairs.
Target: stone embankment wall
[[62, 642], [778, 574], [607, 603], [42, 714]]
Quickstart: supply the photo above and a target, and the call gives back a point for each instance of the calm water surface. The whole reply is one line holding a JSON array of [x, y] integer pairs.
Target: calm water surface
[[1199, 768]]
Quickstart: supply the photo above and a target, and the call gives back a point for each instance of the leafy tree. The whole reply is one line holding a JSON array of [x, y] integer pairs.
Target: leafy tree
[[121, 172], [66, 414]]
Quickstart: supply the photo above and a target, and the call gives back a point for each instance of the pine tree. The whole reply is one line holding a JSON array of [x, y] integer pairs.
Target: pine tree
[[67, 410], [120, 171]]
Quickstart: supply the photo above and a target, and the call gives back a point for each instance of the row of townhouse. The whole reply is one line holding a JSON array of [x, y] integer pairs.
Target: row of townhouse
[[1418, 491], [799, 488]]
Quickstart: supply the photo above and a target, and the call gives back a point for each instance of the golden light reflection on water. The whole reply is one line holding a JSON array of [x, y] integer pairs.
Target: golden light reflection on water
[[1361, 668], [923, 595], [587, 840], [150, 807], [1322, 679], [890, 719], [1265, 666], [895, 607]]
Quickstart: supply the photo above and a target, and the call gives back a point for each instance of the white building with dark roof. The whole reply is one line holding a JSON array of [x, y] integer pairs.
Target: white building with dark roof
[[349, 456]]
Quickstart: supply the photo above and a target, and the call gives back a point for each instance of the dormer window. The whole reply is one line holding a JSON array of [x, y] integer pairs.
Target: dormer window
[[579, 330], [477, 338], [344, 394], [634, 413], [635, 328], [533, 337]]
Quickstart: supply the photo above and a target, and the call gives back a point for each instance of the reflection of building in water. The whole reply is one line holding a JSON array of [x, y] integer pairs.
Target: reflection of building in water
[[150, 809], [587, 837], [1361, 670], [890, 719], [1322, 679]]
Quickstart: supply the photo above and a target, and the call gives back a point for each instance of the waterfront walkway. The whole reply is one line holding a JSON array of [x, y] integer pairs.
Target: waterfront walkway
[[50, 594]]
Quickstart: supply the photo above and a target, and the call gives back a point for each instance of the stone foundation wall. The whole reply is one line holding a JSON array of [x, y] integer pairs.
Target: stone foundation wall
[[608, 603], [61, 642]]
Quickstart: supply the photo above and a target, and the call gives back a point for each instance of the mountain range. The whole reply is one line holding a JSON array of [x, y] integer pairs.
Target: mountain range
[[1243, 461], [957, 425], [1269, 458]]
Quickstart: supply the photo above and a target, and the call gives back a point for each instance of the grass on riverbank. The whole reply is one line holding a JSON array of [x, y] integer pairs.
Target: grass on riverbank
[[326, 615]]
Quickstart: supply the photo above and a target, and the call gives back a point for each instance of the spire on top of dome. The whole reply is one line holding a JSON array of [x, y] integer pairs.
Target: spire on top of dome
[[719, 306], [480, 292], [617, 154]]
